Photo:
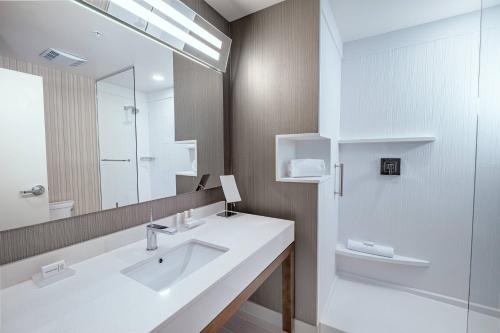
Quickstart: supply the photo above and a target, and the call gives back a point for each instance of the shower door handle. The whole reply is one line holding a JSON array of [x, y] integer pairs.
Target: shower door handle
[[340, 166]]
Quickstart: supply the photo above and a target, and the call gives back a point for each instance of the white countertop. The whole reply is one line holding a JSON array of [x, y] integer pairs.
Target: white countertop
[[101, 299]]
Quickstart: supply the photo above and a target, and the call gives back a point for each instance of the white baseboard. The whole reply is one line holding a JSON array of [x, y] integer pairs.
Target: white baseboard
[[274, 318]]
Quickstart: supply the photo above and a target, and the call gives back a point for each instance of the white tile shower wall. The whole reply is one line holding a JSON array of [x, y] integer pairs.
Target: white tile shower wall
[[485, 285], [412, 82], [329, 125], [162, 147]]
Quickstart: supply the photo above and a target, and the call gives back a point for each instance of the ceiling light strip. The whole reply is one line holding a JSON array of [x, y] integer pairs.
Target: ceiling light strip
[[157, 21], [185, 21]]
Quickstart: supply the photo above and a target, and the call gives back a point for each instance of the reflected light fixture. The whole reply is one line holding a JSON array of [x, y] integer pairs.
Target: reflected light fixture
[[136, 9], [158, 77], [184, 21]]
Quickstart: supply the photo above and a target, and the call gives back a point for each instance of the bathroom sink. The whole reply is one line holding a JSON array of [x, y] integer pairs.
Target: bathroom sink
[[162, 271]]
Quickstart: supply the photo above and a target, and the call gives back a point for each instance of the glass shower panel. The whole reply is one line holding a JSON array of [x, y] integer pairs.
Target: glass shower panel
[[484, 300], [117, 115]]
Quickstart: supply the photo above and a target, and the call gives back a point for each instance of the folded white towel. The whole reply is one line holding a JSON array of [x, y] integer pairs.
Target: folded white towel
[[306, 168], [370, 248]]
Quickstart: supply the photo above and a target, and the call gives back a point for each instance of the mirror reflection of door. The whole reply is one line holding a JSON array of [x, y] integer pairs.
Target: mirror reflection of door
[[22, 143]]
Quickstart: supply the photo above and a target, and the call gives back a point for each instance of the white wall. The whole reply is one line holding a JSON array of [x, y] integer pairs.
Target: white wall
[[329, 123], [485, 281], [412, 82], [162, 138]]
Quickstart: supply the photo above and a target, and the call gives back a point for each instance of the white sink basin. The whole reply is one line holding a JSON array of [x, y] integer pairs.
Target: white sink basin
[[162, 271]]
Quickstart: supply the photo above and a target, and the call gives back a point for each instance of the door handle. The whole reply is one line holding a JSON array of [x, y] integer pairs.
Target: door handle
[[35, 190], [340, 166]]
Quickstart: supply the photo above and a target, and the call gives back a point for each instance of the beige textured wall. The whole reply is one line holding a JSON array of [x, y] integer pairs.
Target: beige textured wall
[[71, 134], [275, 90]]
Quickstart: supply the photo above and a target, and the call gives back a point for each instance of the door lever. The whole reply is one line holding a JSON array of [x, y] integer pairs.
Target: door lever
[[35, 190]]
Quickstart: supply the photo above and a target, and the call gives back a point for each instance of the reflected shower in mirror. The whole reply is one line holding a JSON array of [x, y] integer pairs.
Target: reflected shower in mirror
[[95, 101]]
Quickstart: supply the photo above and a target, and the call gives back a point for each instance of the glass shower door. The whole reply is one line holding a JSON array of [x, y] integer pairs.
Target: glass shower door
[[484, 300], [116, 107]]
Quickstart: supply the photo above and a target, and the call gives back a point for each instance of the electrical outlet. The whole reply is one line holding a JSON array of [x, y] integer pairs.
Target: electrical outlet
[[390, 166]]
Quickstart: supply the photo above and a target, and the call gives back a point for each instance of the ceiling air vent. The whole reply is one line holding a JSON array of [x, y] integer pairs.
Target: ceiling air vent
[[62, 58]]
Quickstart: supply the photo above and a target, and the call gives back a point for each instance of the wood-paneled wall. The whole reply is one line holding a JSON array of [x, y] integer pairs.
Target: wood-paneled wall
[[275, 90], [71, 134]]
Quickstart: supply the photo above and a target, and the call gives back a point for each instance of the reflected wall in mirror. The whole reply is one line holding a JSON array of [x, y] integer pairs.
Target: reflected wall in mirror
[[90, 116]]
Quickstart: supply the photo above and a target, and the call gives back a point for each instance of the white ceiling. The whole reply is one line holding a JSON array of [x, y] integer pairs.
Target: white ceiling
[[28, 28], [358, 19], [236, 9]]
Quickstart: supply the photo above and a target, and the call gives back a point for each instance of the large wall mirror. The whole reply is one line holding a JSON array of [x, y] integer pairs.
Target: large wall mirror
[[96, 115]]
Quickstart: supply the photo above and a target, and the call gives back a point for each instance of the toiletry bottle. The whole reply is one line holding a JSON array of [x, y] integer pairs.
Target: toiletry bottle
[[179, 217]]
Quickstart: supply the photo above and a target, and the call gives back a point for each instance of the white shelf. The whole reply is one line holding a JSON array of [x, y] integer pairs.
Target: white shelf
[[301, 146], [188, 144], [188, 155], [388, 140], [301, 136], [186, 173], [304, 179], [399, 260]]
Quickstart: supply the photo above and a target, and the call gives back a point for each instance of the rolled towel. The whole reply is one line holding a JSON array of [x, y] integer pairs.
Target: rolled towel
[[371, 248], [306, 168]]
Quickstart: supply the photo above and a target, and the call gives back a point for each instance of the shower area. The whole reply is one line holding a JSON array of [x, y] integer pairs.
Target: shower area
[[425, 99], [139, 157]]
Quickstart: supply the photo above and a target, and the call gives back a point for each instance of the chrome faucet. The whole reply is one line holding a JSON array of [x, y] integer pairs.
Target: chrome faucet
[[151, 231]]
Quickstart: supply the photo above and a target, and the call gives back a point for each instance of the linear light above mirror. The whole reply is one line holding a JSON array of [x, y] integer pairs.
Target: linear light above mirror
[[174, 24]]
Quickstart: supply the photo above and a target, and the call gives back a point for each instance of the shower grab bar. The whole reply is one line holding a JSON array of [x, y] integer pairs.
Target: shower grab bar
[[340, 192], [110, 160]]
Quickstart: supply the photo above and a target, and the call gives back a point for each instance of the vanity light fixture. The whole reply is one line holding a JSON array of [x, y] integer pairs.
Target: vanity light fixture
[[158, 77], [184, 21], [136, 9]]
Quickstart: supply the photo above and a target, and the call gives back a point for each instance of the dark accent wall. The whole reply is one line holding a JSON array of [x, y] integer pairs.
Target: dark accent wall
[[25, 242], [275, 90], [199, 116]]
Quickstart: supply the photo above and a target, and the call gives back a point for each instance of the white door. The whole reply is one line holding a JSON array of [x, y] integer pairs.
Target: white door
[[22, 147]]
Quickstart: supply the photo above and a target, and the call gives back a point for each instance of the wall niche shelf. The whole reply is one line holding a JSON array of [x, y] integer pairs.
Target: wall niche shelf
[[341, 250], [409, 139], [186, 173], [302, 146], [190, 156]]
